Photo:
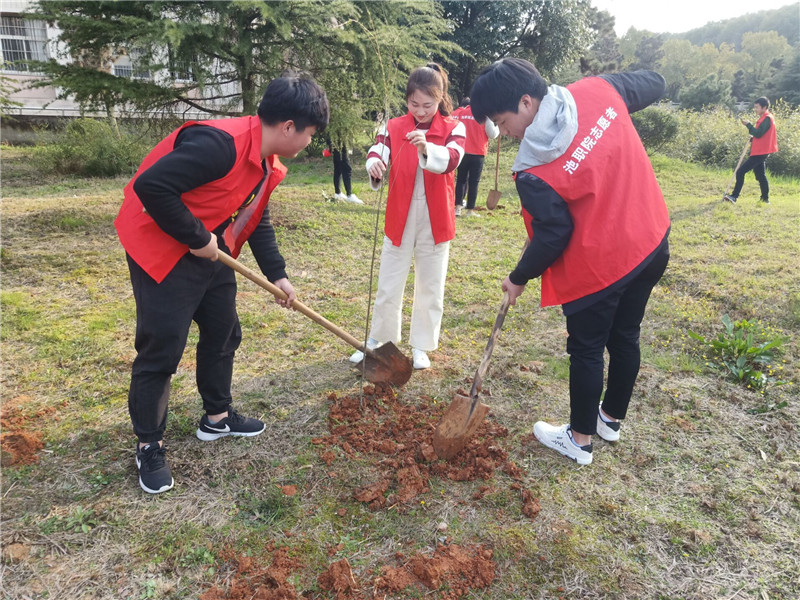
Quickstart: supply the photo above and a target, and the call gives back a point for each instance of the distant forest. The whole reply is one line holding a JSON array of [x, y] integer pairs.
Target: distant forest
[[784, 21], [735, 60]]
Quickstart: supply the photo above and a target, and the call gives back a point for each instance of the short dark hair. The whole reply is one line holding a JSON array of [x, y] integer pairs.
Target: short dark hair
[[298, 99], [763, 101], [500, 86], [464, 102]]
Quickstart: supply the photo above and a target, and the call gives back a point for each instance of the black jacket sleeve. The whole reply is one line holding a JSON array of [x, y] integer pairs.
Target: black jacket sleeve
[[201, 155], [639, 89], [552, 227], [264, 245]]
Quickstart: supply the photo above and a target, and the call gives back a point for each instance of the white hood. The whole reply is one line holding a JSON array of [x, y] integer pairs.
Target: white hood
[[551, 132]]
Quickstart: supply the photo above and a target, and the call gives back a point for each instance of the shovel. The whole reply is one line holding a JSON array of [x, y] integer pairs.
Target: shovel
[[464, 415], [739, 164], [494, 195], [385, 364]]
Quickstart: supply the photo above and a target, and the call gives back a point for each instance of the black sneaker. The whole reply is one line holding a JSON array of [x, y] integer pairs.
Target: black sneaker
[[154, 474], [765, 200], [233, 424], [729, 198]]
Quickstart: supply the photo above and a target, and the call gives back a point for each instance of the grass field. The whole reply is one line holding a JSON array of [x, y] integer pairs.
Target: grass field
[[700, 499]]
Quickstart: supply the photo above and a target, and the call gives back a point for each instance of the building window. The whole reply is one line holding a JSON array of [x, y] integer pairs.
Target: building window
[[123, 71], [22, 40]]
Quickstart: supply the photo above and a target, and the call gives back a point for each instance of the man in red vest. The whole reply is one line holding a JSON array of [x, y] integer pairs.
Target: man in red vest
[[597, 222], [205, 188], [764, 141]]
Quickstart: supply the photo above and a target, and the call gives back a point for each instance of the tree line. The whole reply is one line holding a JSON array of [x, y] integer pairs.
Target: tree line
[[217, 57]]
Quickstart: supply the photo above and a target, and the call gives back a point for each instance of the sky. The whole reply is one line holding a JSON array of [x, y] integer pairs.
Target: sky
[[680, 16]]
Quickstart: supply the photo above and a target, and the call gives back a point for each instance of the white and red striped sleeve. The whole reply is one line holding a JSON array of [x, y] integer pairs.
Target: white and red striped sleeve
[[443, 159], [381, 151]]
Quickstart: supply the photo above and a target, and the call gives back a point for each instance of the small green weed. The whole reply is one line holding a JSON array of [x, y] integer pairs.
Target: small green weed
[[736, 352]]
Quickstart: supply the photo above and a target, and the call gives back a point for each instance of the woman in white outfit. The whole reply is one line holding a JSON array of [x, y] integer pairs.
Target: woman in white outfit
[[424, 147]]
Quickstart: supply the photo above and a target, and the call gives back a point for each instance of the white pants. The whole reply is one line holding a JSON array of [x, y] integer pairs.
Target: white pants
[[430, 271]]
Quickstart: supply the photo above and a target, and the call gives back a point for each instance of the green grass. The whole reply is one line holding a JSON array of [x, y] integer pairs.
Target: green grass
[[701, 499]]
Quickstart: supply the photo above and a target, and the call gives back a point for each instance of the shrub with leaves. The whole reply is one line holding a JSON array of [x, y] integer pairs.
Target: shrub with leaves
[[715, 137], [656, 126], [736, 352], [93, 148]]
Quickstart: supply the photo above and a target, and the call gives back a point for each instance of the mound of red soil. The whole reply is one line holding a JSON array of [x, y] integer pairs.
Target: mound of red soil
[[253, 582], [400, 434], [19, 444], [457, 568]]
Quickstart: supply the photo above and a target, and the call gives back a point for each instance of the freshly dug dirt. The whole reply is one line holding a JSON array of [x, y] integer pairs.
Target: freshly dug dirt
[[254, 582], [451, 571], [400, 435], [19, 441], [457, 568]]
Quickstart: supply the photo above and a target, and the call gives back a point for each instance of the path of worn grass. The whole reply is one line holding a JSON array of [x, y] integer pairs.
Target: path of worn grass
[[701, 499]]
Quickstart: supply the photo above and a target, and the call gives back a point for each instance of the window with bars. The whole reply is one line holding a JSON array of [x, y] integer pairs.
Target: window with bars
[[21, 40]]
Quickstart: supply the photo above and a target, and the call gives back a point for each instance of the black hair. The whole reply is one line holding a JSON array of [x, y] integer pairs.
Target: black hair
[[431, 80], [763, 101], [500, 86], [464, 102], [298, 99]]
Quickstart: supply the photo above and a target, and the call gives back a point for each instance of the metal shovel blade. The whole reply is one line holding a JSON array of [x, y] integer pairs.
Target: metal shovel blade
[[386, 364], [458, 425], [493, 199]]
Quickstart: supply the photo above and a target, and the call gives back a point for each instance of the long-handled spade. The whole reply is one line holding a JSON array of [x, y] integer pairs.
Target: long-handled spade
[[464, 415], [385, 364], [739, 164]]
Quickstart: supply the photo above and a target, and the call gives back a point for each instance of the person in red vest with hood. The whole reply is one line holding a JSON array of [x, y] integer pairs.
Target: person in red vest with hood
[[204, 188], [764, 141], [424, 147], [597, 222], [469, 171]]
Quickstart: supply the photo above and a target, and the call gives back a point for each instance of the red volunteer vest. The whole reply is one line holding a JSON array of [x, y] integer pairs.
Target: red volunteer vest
[[477, 140], [439, 188], [618, 211], [213, 203], [767, 143]]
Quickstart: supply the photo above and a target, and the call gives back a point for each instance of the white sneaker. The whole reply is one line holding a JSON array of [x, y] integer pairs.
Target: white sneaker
[[560, 440], [471, 213], [358, 355], [421, 360], [608, 431], [458, 210], [354, 199], [340, 196]]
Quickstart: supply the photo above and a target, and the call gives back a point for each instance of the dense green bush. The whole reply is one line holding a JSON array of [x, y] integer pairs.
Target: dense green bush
[[93, 148], [716, 137], [656, 126]]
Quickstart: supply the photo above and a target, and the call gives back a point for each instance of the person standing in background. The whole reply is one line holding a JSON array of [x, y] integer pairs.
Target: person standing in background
[[471, 167], [764, 141]]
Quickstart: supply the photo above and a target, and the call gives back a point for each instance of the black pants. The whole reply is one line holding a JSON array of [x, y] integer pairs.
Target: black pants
[[755, 164], [342, 171], [469, 176], [614, 323], [199, 290]]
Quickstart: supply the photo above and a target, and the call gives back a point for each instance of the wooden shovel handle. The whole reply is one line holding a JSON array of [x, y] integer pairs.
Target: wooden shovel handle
[[279, 293], [487, 353]]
